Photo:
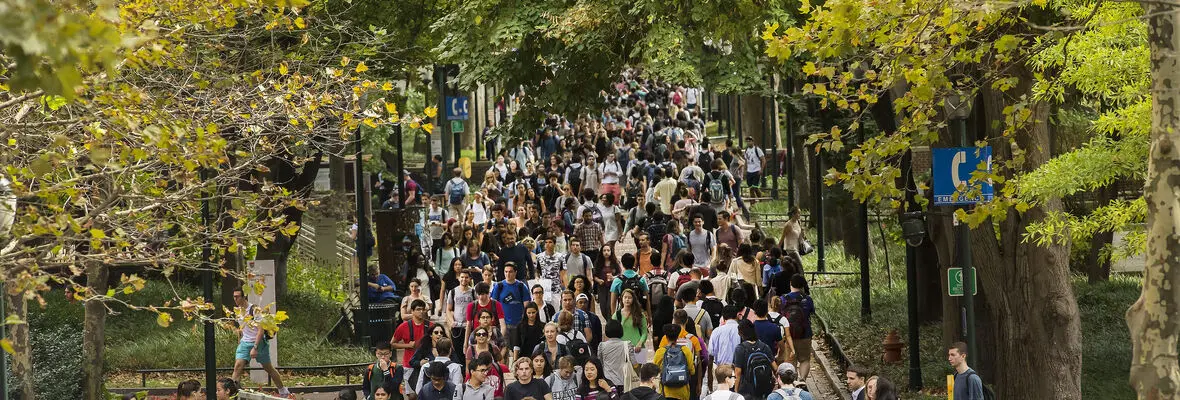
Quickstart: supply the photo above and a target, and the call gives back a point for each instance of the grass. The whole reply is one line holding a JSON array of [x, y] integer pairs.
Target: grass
[[1106, 348], [135, 341]]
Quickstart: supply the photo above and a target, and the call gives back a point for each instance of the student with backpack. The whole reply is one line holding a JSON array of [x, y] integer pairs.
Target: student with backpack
[[454, 370], [629, 279], [676, 365], [717, 184], [380, 372], [456, 191], [754, 364], [787, 389], [798, 308]]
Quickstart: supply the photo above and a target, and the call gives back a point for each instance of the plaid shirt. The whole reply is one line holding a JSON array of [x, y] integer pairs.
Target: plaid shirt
[[590, 234]]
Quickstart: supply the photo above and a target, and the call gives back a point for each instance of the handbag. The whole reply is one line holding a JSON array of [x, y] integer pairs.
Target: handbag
[[630, 377], [805, 247]]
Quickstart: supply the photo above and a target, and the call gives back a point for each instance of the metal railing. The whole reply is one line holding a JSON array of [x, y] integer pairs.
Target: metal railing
[[344, 256], [347, 377]]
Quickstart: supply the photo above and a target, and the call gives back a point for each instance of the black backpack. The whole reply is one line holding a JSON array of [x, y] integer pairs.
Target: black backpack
[[792, 308], [637, 286], [577, 348], [760, 368], [713, 306], [575, 177]]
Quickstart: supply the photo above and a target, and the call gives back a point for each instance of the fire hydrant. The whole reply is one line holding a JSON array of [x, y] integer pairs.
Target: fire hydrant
[[893, 346]]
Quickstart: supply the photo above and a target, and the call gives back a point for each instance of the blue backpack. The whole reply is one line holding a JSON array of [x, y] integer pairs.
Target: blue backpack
[[456, 194], [675, 370]]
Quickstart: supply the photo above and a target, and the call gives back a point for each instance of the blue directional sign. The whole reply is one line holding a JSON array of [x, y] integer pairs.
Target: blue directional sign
[[456, 108], [952, 168]]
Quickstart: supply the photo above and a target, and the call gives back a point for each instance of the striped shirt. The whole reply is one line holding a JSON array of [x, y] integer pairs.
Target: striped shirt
[[724, 341]]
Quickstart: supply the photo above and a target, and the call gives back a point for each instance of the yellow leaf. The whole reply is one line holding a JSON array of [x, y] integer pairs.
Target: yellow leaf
[[370, 123], [164, 319], [428, 127], [478, 19], [12, 142], [414, 125], [98, 234], [387, 86], [299, 23], [361, 67], [391, 108], [431, 111], [7, 346], [283, 69], [344, 61]]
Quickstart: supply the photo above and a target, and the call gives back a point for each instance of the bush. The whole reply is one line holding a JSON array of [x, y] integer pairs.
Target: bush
[[57, 362]]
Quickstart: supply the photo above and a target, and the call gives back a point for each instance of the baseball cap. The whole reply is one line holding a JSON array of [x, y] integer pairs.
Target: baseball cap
[[583, 296], [784, 367]]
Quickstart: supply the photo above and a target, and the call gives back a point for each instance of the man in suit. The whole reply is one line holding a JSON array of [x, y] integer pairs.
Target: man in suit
[[856, 376]]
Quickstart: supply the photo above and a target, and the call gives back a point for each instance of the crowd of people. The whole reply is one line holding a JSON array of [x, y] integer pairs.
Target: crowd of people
[[609, 256]]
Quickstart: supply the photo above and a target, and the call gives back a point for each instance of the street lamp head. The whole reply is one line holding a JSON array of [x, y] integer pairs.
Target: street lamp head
[[913, 228], [958, 103]]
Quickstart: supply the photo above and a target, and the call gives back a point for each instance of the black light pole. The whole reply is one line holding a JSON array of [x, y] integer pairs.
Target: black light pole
[[207, 283], [790, 152], [818, 218], [914, 230], [958, 108], [362, 233], [866, 309], [774, 85]]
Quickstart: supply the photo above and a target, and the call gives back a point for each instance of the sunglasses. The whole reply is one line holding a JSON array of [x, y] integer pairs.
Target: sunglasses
[[436, 334], [481, 334]]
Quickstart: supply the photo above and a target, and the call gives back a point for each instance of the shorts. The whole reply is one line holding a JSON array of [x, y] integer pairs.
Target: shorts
[[802, 349], [512, 333], [244, 348], [754, 179]]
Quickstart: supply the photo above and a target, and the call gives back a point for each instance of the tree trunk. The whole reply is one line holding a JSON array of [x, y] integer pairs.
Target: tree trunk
[[94, 333], [1098, 267], [285, 174], [1037, 326], [1152, 320], [22, 356]]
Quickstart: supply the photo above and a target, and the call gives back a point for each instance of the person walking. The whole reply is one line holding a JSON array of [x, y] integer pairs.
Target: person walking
[[968, 385], [456, 191], [787, 389], [254, 342], [753, 363], [798, 307]]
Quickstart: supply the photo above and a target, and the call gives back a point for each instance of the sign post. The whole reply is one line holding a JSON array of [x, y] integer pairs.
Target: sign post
[[954, 282], [456, 108]]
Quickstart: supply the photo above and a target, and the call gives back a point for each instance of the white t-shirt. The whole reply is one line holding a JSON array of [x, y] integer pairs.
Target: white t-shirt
[[610, 172], [754, 159], [610, 224]]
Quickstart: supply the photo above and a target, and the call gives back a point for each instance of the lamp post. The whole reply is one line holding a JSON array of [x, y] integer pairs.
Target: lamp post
[[958, 108], [207, 287], [362, 231], [913, 228]]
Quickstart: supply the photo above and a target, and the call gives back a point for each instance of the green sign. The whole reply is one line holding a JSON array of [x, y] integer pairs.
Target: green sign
[[456, 126], [954, 281]]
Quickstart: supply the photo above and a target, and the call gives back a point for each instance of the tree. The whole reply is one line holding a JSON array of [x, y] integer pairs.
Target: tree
[[107, 168], [855, 52], [564, 54], [1152, 319]]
